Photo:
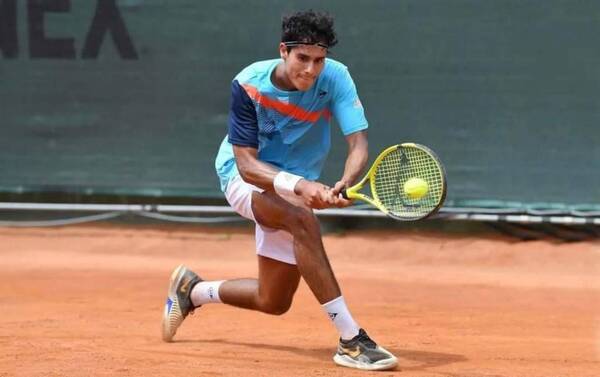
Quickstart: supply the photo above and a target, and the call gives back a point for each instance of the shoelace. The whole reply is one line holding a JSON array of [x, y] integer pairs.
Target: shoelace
[[364, 339]]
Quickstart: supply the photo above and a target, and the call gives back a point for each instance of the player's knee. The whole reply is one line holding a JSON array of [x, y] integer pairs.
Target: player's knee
[[303, 222], [275, 307]]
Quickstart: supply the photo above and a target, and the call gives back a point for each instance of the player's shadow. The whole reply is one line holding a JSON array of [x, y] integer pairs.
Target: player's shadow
[[414, 360]]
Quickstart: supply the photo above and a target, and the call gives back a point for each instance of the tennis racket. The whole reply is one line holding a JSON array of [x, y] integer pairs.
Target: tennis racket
[[388, 177]]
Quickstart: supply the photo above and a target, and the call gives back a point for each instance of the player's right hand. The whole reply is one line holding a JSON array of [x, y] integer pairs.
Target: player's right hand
[[316, 195], [336, 191]]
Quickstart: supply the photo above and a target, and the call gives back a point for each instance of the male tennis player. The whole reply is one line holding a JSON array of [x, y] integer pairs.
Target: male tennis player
[[268, 164]]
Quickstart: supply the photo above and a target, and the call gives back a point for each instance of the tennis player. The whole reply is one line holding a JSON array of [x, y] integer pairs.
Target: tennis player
[[268, 165]]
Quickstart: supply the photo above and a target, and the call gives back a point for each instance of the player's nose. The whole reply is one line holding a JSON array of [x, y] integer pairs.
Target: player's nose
[[311, 69]]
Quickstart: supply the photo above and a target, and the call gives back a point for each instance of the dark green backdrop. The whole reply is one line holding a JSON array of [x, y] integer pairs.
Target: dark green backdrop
[[507, 93]]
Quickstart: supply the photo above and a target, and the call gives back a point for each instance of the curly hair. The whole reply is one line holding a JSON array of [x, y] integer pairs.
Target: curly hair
[[308, 27]]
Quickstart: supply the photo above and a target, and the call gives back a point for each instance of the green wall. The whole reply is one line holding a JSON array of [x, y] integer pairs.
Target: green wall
[[507, 92]]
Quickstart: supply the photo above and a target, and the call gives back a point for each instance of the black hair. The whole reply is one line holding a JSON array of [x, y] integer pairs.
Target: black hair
[[308, 27]]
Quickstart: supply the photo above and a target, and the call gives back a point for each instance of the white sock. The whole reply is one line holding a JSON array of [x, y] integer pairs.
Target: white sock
[[342, 319], [206, 292]]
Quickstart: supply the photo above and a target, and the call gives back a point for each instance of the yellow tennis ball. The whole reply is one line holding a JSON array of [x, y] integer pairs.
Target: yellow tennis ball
[[416, 188]]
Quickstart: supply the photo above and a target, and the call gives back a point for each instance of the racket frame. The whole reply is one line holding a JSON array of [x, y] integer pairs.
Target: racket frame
[[353, 192]]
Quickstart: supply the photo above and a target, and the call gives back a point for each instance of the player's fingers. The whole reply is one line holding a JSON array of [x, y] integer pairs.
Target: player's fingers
[[325, 195], [318, 200], [340, 202], [317, 204], [338, 187], [332, 198]]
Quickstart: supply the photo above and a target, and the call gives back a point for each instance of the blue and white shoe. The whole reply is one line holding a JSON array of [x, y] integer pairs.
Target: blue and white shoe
[[178, 304]]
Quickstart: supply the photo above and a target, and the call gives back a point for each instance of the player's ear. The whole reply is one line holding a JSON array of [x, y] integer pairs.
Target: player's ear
[[283, 51]]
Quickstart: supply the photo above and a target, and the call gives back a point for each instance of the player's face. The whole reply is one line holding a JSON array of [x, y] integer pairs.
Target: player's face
[[303, 64]]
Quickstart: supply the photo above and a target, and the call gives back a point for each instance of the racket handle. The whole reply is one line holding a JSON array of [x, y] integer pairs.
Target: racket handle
[[344, 194]]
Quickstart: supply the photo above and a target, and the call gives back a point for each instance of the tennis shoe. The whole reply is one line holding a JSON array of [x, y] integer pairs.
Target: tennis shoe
[[362, 352], [179, 303]]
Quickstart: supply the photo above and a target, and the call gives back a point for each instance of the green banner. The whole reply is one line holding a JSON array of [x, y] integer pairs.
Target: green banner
[[131, 97]]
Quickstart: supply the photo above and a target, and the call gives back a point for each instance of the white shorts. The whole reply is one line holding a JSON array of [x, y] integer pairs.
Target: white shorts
[[271, 243]]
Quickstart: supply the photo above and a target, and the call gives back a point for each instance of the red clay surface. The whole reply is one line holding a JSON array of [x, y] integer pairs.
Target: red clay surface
[[87, 301]]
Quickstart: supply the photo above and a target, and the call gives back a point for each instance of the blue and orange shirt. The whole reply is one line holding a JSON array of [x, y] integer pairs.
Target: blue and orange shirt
[[290, 129]]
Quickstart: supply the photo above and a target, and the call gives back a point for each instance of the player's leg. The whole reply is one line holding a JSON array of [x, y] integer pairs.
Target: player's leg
[[277, 280], [355, 349], [304, 247], [271, 293], [272, 211]]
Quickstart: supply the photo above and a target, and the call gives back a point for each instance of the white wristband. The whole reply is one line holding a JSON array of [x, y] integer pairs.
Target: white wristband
[[285, 183]]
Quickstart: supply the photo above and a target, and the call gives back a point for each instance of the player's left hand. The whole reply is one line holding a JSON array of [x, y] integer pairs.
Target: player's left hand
[[336, 190]]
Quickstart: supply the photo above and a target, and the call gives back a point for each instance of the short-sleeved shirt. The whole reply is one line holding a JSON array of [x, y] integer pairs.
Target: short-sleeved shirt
[[290, 129]]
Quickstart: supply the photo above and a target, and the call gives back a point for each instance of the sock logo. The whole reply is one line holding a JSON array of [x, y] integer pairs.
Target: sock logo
[[211, 292], [332, 315]]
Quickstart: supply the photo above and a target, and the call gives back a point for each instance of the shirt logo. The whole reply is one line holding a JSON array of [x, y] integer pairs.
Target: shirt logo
[[322, 93]]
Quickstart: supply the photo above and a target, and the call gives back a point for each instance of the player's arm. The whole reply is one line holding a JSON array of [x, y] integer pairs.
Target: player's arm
[[243, 135], [253, 170], [358, 155], [258, 173], [349, 112]]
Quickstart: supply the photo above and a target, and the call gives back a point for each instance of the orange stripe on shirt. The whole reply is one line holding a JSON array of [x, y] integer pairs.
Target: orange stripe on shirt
[[285, 108]]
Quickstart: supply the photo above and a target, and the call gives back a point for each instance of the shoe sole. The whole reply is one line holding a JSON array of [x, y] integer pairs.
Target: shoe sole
[[348, 362], [172, 316]]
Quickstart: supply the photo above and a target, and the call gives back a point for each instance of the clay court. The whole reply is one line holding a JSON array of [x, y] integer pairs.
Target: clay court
[[87, 301]]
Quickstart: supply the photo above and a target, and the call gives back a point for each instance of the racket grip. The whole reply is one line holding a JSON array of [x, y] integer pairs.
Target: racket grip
[[344, 194]]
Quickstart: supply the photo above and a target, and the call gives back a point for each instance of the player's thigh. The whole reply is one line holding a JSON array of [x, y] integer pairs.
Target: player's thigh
[[277, 280], [273, 211]]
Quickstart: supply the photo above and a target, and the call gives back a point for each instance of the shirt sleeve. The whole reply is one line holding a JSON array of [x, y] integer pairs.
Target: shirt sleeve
[[243, 124], [346, 106]]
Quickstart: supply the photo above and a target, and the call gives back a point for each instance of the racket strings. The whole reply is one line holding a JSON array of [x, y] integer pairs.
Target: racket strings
[[392, 173]]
